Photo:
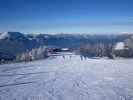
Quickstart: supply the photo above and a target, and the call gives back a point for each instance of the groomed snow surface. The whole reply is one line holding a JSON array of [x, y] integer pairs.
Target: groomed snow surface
[[68, 78]]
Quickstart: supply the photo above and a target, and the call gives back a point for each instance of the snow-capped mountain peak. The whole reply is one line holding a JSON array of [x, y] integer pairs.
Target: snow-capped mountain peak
[[4, 35]]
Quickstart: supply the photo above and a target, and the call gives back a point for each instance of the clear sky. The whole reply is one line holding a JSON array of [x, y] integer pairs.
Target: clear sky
[[67, 16]]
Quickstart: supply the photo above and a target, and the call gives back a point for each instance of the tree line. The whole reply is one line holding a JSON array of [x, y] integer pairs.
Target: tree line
[[100, 49]]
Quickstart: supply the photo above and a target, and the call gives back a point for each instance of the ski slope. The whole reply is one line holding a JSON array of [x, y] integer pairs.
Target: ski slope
[[68, 77]]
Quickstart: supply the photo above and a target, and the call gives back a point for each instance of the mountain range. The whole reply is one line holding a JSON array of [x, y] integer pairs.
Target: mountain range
[[13, 43]]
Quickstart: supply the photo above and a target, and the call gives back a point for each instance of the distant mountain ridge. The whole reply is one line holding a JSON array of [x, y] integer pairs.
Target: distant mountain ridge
[[12, 43]]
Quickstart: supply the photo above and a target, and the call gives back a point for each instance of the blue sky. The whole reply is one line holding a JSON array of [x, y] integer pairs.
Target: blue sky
[[67, 16]]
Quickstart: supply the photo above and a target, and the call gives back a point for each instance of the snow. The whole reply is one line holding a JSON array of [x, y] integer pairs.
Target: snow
[[64, 49], [4, 35], [67, 78], [120, 46]]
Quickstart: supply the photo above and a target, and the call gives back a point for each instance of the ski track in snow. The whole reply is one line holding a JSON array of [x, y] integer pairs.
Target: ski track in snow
[[67, 78]]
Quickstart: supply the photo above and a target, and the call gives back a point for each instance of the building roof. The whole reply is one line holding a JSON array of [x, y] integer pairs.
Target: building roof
[[120, 46]]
